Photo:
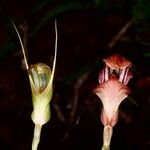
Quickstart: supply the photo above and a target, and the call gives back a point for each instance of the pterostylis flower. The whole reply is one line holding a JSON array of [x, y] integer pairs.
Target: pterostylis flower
[[41, 80], [39, 76], [112, 90]]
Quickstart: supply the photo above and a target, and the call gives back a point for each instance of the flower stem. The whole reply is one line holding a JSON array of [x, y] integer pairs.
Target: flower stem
[[107, 134], [106, 148], [36, 138]]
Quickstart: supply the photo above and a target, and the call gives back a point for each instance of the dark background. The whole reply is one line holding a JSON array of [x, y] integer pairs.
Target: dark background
[[85, 31]]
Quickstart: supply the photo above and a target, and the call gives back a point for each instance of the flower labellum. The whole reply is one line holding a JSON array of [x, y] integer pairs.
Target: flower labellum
[[112, 90], [111, 93]]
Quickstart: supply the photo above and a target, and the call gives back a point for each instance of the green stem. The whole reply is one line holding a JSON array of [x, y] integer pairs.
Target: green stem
[[105, 148], [107, 135], [36, 138]]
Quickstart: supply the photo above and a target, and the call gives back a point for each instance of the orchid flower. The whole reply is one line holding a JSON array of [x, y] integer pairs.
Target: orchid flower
[[41, 79], [112, 90]]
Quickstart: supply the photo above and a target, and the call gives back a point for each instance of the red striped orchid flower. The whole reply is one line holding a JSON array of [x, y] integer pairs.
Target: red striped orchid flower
[[112, 90]]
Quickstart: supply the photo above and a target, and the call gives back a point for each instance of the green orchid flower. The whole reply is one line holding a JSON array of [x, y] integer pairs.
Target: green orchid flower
[[41, 80]]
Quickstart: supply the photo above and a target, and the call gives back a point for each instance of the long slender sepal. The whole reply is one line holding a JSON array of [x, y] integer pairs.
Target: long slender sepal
[[54, 62], [23, 50]]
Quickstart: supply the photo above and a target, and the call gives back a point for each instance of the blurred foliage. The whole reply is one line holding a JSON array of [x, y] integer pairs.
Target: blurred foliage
[[103, 4], [69, 6], [141, 11], [141, 17], [40, 5], [138, 10], [5, 50]]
